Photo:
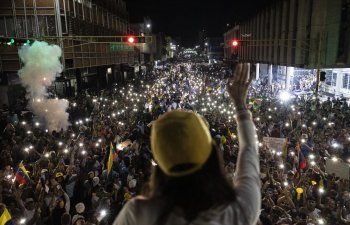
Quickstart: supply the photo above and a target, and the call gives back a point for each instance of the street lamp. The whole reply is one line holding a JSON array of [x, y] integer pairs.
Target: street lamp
[[148, 25]]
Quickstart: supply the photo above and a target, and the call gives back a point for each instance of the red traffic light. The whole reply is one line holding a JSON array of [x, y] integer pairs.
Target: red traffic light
[[131, 39], [235, 43]]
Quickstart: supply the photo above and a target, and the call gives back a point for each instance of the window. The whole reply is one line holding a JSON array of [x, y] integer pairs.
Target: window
[[334, 79], [43, 28], [11, 32], [31, 26], [21, 26], [331, 78], [346, 80]]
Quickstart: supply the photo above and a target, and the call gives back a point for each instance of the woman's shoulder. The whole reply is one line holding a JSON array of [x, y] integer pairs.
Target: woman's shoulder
[[139, 210], [140, 201]]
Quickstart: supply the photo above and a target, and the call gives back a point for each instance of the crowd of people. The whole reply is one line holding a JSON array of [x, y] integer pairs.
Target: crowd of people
[[304, 82], [62, 177]]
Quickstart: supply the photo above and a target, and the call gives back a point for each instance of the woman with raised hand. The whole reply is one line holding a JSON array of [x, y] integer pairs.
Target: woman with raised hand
[[188, 184]]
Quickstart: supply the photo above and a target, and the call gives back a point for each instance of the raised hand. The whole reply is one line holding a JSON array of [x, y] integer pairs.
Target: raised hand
[[237, 86]]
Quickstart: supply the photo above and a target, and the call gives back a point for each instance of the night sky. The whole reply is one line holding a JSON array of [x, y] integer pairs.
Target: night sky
[[185, 18]]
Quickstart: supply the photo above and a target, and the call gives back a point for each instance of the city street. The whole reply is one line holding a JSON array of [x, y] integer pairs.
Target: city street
[[124, 112]]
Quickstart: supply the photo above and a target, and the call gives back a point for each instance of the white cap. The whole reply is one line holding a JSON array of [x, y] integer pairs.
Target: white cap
[[80, 207]]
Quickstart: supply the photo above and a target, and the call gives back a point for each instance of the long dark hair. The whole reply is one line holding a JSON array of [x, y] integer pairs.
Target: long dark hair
[[204, 189]]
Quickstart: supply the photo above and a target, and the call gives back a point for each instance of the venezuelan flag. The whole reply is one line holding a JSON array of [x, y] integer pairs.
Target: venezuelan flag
[[302, 160], [110, 160], [6, 218], [22, 174], [114, 153]]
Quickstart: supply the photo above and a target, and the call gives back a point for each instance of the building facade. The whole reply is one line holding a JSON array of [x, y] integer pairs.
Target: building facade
[[296, 33], [82, 28]]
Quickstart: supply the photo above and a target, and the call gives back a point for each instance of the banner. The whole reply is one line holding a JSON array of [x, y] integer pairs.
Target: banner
[[274, 143], [340, 169]]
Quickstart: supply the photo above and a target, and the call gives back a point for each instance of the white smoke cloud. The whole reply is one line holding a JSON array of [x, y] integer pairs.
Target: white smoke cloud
[[41, 66]]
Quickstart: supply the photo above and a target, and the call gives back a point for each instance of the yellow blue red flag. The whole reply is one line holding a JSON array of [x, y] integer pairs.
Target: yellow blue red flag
[[22, 174], [6, 218], [110, 160]]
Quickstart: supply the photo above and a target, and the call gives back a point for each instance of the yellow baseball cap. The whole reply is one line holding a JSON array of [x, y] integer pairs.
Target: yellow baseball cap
[[59, 174], [181, 143]]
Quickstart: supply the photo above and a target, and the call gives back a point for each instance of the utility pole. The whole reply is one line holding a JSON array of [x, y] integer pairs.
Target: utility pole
[[318, 66], [140, 71]]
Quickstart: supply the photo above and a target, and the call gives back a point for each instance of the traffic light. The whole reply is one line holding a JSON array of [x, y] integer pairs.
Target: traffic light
[[131, 40], [7, 41], [14, 41], [134, 39], [235, 43], [11, 42]]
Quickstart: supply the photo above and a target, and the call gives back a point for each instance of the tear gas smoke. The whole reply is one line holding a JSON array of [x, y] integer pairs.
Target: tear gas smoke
[[41, 66]]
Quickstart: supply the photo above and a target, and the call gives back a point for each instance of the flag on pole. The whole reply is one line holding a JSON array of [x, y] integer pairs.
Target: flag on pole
[[22, 174], [110, 160], [301, 158], [114, 153], [6, 218]]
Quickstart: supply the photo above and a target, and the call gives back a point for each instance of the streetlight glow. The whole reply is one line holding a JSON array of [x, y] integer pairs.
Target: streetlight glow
[[285, 96]]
